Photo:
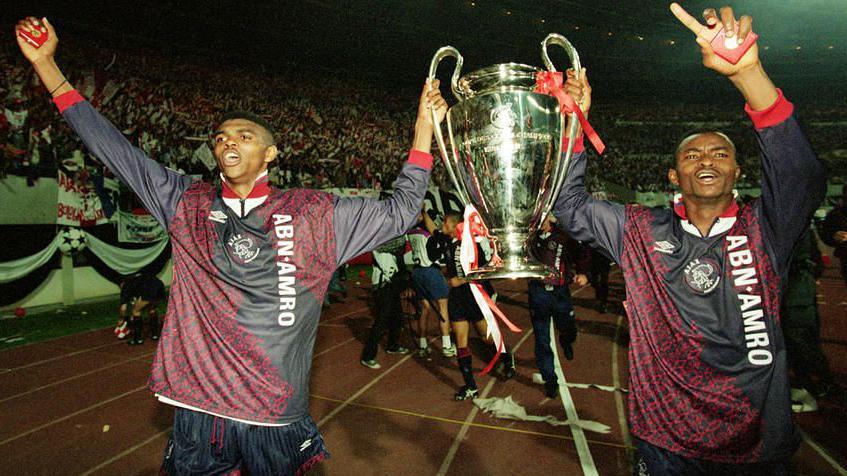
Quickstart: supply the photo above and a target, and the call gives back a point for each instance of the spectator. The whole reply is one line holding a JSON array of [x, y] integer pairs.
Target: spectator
[[140, 293], [389, 280], [550, 299], [834, 232]]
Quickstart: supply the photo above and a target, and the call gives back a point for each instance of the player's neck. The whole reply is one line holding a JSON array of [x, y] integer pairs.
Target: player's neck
[[243, 188], [702, 213]]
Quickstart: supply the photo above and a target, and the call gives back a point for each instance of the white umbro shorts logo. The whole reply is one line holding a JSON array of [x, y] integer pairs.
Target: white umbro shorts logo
[[306, 444]]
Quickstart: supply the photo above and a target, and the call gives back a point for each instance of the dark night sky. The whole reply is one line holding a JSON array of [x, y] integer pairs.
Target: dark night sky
[[391, 42]]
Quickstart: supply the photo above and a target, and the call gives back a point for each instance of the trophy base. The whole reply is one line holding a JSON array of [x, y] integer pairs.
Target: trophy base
[[516, 262], [529, 271]]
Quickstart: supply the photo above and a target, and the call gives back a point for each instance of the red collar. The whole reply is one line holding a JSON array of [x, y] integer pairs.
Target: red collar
[[261, 188], [679, 208]]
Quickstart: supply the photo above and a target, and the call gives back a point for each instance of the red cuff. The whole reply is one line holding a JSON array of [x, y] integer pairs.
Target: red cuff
[[578, 147], [421, 159], [68, 99], [775, 114]]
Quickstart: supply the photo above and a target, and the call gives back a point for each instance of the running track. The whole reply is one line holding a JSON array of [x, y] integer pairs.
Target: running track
[[78, 405]]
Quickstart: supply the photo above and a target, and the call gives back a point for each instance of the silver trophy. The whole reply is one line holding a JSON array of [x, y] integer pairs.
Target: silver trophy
[[505, 153]]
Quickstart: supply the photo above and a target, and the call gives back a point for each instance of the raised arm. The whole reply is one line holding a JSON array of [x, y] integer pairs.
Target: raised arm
[[596, 222], [362, 224], [793, 179], [158, 188]]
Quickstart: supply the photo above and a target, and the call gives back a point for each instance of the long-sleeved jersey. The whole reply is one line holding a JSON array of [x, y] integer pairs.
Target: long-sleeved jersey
[[249, 275], [707, 358], [566, 255]]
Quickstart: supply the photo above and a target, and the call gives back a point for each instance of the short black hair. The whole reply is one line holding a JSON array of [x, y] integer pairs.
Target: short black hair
[[454, 216], [252, 117], [697, 132]]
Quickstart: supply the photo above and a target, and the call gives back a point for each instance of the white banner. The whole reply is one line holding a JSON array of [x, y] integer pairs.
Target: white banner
[[17, 269], [139, 228], [78, 203], [123, 260]]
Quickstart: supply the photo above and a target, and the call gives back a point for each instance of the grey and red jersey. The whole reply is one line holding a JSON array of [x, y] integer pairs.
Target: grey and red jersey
[[707, 359], [249, 275]]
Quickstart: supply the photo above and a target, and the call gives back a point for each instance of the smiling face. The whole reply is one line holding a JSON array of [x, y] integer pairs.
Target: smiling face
[[243, 150], [705, 167]]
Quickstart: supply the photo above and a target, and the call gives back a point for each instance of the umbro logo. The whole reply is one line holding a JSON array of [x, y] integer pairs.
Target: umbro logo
[[306, 444], [664, 247], [218, 216]]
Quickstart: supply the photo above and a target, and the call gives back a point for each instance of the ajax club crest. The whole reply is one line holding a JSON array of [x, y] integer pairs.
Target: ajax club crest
[[702, 275], [243, 248]]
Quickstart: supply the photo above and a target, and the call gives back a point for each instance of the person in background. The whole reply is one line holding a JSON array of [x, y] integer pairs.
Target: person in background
[[140, 293], [335, 290], [801, 321], [834, 232], [598, 276], [389, 280], [463, 308], [550, 299], [430, 286]]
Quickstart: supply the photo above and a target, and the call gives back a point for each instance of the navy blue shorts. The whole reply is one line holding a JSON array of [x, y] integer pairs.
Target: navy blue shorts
[[655, 461], [429, 283], [203, 444], [462, 306]]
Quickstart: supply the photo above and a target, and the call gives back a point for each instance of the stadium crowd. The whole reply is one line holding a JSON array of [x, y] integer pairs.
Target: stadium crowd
[[334, 133]]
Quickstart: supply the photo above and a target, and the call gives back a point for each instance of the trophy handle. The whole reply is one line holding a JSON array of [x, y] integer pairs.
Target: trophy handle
[[442, 53], [561, 171]]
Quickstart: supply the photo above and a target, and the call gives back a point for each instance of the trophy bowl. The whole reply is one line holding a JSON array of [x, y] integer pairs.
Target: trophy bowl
[[505, 154]]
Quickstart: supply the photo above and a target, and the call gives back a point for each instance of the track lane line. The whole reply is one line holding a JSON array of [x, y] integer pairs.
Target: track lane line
[[822, 452], [71, 415], [84, 374], [347, 314], [58, 357], [54, 339], [362, 390], [127, 451], [460, 436], [333, 347], [616, 382], [580, 441], [457, 422]]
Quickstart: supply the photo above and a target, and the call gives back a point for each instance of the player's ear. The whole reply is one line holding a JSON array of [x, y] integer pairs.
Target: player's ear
[[270, 153], [674, 178]]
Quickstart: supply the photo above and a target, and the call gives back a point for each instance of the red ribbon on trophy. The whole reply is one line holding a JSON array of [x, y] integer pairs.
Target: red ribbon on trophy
[[470, 232], [551, 82]]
